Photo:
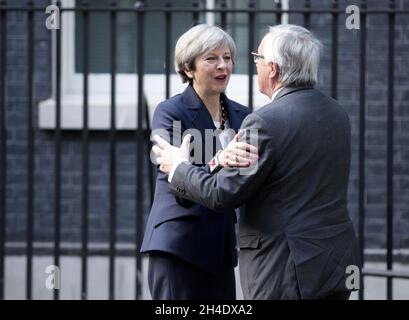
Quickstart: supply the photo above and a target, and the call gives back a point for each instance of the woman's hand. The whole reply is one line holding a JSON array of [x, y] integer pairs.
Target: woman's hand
[[238, 154]]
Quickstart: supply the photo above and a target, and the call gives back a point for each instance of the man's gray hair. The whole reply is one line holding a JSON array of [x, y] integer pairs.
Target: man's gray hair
[[196, 41], [297, 53]]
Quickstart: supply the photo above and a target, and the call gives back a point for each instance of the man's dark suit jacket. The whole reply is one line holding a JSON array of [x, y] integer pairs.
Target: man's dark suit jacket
[[185, 229], [296, 238]]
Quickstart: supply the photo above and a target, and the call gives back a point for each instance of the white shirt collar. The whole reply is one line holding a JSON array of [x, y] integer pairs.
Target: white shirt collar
[[275, 94]]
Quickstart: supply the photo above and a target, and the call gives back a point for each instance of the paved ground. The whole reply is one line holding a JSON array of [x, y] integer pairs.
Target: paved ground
[[70, 271]]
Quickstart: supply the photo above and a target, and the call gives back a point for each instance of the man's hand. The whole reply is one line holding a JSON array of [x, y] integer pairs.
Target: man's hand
[[238, 154], [168, 155]]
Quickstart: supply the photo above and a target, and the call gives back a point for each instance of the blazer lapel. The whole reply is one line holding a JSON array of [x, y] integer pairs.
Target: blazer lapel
[[234, 114], [200, 117], [235, 120]]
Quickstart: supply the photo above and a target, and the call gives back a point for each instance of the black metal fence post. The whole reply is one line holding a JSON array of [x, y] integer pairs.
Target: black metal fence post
[[390, 146], [279, 12], [30, 150], [112, 155], [307, 15], [251, 44], [3, 143], [334, 50], [57, 156], [196, 14], [85, 152], [361, 159], [223, 14], [140, 16], [168, 58]]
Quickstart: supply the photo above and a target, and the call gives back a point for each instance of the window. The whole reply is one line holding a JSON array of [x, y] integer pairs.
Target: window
[[127, 37], [154, 53]]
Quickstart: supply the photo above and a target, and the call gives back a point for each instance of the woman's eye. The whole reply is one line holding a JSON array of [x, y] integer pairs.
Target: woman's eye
[[210, 58], [227, 58]]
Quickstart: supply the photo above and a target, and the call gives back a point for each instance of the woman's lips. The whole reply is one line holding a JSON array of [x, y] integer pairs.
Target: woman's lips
[[221, 78]]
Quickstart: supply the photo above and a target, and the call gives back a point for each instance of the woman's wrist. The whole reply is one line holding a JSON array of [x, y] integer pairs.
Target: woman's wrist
[[215, 164]]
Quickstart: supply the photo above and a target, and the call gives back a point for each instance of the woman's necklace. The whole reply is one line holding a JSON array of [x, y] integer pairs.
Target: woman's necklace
[[223, 114]]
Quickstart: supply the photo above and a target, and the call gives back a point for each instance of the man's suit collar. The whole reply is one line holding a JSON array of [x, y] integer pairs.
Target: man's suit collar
[[289, 89]]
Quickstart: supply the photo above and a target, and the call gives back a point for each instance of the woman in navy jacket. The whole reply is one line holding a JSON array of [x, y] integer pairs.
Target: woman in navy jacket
[[191, 249]]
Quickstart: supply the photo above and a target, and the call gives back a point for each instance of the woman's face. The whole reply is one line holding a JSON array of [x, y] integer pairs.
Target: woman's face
[[213, 70]]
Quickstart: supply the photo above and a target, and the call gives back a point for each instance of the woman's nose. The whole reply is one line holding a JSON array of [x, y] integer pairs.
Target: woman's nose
[[221, 64]]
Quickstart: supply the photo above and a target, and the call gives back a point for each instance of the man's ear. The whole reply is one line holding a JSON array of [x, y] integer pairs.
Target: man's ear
[[273, 70]]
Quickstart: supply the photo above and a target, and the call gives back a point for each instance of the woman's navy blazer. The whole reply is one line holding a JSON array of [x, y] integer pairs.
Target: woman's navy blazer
[[199, 236]]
